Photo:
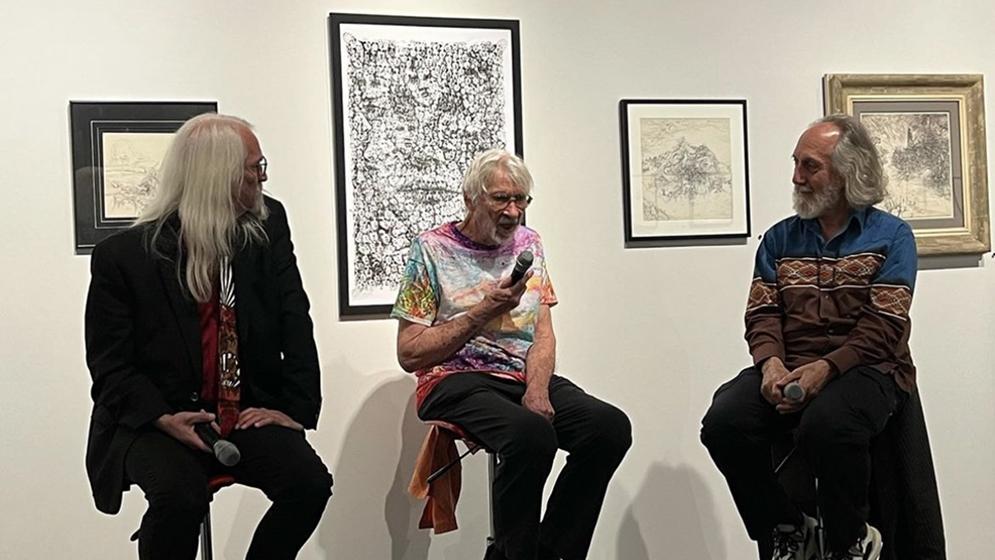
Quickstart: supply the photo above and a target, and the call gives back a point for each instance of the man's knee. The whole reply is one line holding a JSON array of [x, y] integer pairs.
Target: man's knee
[[311, 482], [532, 437], [614, 432], [731, 413], [718, 425]]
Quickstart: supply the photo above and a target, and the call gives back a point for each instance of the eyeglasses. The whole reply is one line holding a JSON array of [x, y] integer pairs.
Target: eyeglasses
[[260, 167], [502, 200]]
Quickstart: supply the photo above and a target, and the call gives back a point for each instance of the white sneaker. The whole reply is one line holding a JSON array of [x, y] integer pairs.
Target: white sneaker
[[795, 543], [867, 547]]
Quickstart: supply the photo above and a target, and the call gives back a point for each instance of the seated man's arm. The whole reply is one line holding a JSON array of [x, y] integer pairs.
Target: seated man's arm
[[420, 346], [133, 399], [300, 373], [763, 320], [763, 307], [539, 365]]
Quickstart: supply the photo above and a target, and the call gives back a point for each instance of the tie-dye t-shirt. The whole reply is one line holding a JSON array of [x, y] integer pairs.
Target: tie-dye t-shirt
[[446, 275]]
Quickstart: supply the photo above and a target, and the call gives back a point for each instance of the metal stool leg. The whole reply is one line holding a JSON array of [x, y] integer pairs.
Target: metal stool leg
[[206, 550], [820, 528], [491, 467]]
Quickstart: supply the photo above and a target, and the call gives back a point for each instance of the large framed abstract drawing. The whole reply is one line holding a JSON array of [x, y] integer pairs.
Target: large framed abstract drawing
[[685, 172], [414, 99], [930, 134], [117, 150]]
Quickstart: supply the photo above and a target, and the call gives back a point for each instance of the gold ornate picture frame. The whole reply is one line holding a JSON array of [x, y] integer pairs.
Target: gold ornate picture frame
[[930, 132]]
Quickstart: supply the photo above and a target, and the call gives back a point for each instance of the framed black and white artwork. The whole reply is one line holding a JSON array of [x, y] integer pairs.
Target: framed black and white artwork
[[117, 151], [414, 99], [685, 172]]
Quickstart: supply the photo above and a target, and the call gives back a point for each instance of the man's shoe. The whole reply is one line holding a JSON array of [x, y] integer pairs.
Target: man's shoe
[[795, 542], [867, 547]]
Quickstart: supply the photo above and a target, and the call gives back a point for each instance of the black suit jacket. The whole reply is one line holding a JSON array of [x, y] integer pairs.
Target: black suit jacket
[[143, 341]]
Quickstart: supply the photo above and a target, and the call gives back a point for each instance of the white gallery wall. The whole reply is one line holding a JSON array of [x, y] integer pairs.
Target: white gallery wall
[[652, 330]]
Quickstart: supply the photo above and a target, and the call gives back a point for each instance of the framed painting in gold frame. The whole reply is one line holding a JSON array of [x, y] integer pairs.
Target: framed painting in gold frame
[[930, 132]]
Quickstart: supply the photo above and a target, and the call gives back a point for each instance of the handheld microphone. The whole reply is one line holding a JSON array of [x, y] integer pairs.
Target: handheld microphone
[[794, 392], [522, 265], [224, 451]]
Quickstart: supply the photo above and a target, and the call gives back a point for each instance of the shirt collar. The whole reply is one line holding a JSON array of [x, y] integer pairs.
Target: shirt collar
[[857, 216]]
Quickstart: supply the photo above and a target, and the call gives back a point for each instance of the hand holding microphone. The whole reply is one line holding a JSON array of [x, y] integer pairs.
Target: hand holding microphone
[[224, 451], [794, 392], [506, 294], [194, 430], [522, 265]]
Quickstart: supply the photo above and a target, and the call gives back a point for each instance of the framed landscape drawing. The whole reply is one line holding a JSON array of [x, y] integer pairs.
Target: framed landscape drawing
[[414, 99], [117, 150], [684, 169], [930, 134]]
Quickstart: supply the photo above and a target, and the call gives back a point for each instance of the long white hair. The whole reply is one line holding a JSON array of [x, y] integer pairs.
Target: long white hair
[[202, 169], [855, 159]]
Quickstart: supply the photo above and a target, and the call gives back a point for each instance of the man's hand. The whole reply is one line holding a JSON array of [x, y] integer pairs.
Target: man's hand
[[499, 299], [180, 427], [537, 400], [259, 417], [812, 377], [773, 373]]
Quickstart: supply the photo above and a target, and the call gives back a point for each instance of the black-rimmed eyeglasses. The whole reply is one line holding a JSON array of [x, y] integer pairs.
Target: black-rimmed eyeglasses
[[260, 167]]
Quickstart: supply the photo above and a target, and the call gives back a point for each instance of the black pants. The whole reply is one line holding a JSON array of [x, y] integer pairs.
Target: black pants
[[833, 435], [277, 460], [595, 433]]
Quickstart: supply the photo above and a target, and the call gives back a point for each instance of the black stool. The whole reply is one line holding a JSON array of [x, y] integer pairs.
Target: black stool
[[802, 486], [214, 484]]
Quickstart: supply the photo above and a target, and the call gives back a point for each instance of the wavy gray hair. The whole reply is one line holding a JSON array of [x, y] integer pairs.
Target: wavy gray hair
[[485, 164], [201, 171], [855, 160]]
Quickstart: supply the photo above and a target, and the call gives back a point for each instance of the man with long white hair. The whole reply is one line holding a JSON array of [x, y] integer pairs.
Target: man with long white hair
[[481, 342], [828, 315], [197, 316]]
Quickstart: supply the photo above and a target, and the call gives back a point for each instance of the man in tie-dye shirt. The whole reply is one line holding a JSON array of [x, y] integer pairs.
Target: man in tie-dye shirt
[[484, 352], [828, 315]]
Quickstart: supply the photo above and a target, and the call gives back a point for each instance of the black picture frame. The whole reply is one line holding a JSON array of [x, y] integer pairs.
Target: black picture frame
[[108, 188], [413, 99], [676, 152]]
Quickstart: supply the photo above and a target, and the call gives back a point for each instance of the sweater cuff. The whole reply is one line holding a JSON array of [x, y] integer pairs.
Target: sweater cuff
[[843, 359], [765, 351]]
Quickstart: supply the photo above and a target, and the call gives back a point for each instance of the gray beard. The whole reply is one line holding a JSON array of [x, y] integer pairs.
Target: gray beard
[[815, 204]]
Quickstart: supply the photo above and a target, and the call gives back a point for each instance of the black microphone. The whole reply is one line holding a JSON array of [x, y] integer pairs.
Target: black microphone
[[225, 451], [522, 265], [794, 392]]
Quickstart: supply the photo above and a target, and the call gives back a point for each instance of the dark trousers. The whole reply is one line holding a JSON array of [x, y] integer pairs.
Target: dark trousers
[[595, 433], [276, 460], [833, 434]]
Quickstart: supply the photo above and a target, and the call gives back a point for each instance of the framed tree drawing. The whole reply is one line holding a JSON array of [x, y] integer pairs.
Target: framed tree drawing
[[414, 99], [930, 135], [684, 170], [117, 150]]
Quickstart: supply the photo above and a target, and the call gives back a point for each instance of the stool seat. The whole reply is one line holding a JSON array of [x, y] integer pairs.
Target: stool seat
[[219, 481]]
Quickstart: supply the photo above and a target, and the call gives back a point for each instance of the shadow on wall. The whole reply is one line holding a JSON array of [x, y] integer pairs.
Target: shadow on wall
[[672, 516], [371, 481]]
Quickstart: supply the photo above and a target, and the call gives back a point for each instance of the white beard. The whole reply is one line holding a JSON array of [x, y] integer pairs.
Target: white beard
[[815, 204]]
